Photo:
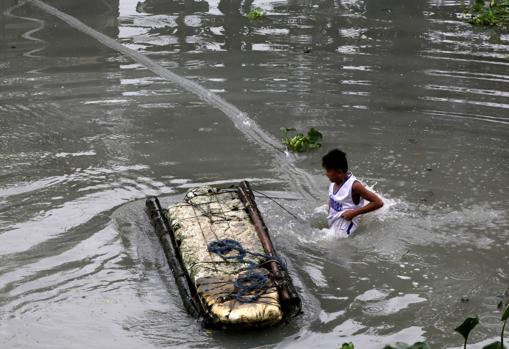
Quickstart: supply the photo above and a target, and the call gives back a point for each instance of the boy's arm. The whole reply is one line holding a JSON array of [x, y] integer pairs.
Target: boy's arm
[[374, 201]]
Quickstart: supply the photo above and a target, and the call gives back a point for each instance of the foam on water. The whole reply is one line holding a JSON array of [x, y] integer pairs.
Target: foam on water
[[394, 208]]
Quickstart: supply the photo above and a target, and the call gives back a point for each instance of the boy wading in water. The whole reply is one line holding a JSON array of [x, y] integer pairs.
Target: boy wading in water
[[346, 195]]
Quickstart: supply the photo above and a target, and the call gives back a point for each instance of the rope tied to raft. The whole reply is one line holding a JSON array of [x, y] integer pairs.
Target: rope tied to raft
[[252, 280]]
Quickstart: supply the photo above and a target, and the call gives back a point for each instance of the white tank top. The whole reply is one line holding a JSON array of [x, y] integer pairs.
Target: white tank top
[[342, 200]]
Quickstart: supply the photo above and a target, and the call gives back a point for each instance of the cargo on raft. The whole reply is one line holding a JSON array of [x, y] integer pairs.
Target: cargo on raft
[[226, 268]]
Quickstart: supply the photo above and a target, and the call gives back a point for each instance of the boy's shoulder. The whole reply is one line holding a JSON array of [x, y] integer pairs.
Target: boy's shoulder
[[357, 184]]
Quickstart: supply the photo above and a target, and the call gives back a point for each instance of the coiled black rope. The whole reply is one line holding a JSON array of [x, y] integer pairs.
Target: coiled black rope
[[223, 248], [252, 280]]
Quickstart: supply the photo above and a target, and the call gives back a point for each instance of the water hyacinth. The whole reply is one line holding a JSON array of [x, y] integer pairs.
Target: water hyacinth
[[256, 13], [464, 329], [489, 13], [301, 143]]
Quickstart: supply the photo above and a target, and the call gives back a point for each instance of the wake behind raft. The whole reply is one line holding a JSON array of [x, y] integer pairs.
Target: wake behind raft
[[226, 268]]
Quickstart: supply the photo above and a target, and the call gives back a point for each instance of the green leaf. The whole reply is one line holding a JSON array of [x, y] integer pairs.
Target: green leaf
[[505, 315], [494, 345], [467, 326], [419, 345], [347, 346], [256, 13], [314, 136], [301, 143], [492, 13]]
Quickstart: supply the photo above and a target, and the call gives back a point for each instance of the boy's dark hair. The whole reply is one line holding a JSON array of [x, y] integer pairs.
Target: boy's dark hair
[[335, 160]]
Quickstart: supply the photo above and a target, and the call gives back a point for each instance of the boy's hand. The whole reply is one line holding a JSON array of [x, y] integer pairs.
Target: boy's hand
[[348, 215]]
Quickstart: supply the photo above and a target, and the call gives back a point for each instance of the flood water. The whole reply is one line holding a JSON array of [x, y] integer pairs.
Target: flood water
[[418, 98]]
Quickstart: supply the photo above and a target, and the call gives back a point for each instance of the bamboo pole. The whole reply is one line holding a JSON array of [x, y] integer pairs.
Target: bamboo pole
[[287, 292]]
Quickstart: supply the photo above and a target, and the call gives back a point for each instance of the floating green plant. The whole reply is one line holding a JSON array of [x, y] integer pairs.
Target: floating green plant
[[489, 13], [256, 13], [418, 345], [494, 345], [500, 345], [505, 317], [464, 329], [301, 143]]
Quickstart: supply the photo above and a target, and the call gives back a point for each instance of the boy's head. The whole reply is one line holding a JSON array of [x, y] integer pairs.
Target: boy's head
[[335, 165]]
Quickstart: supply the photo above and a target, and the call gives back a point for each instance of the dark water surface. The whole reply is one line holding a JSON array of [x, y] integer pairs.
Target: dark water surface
[[418, 99]]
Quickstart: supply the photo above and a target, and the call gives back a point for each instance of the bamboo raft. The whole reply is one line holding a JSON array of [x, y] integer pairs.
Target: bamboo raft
[[226, 268]]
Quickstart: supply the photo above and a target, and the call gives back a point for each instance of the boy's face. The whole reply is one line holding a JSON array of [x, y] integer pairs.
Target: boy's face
[[335, 175]]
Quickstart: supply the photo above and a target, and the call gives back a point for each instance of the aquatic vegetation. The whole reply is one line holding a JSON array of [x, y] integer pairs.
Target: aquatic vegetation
[[494, 345], [464, 329], [256, 13], [505, 317], [500, 345], [469, 324], [301, 143], [489, 13], [417, 345]]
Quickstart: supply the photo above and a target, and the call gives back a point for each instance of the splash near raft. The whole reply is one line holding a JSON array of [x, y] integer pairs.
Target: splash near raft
[[225, 266]]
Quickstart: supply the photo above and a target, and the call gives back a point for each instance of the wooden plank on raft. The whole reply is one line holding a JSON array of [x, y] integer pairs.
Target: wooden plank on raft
[[289, 297]]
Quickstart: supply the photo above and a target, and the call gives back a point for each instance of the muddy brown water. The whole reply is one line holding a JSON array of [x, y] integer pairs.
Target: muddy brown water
[[418, 99]]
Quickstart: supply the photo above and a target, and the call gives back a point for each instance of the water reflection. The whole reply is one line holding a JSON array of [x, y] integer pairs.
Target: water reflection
[[411, 92]]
